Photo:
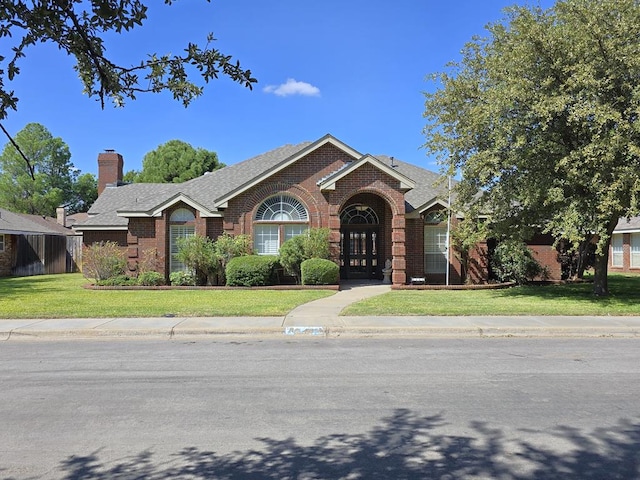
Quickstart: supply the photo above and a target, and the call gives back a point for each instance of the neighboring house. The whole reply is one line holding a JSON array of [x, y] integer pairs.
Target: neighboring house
[[624, 251], [34, 245], [376, 208]]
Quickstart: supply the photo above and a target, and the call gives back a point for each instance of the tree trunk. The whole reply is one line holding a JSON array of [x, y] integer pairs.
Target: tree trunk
[[600, 280]]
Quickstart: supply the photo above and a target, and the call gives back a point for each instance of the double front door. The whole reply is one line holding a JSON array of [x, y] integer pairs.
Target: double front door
[[359, 252]]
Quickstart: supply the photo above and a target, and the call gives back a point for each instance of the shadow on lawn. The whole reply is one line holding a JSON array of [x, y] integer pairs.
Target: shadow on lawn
[[624, 290], [402, 446], [30, 285]]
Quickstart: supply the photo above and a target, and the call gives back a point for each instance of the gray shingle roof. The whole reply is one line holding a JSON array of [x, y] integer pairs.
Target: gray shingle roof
[[425, 190], [625, 224], [20, 223], [211, 187]]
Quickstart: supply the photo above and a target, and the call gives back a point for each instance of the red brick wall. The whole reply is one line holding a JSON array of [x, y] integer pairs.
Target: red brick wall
[[546, 254]]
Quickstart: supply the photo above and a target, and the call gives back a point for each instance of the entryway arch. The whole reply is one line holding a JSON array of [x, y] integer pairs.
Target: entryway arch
[[363, 237]]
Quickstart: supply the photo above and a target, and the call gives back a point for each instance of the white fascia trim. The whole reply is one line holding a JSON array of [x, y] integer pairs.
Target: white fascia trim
[[426, 206], [327, 139], [633, 230], [80, 228], [157, 211], [405, 182]]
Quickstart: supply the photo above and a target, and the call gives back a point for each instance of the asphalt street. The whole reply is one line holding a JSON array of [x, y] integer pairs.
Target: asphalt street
[[309, 407]]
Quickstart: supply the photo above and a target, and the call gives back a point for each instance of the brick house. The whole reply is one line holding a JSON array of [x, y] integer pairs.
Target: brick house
[[624, 250], [376, 207]]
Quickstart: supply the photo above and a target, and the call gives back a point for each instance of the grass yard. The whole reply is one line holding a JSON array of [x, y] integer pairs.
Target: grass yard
[[569, 299], [62, 296]]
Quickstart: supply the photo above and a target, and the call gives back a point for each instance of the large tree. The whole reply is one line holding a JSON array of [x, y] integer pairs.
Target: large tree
[[540, 120], [79, 28], [174, 162], [54, 181]]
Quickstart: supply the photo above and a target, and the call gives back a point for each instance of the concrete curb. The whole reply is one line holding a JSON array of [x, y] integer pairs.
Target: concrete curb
[[327, 332]]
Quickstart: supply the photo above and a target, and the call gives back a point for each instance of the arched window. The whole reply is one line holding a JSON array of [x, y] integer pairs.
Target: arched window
[[278, 219], [359, 215], [181, 225]]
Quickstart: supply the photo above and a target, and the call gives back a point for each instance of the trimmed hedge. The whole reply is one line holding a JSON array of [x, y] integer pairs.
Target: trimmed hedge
[[251, 270], [318, 271]]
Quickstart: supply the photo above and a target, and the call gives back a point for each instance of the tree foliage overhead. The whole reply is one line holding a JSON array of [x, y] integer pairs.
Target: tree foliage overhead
[[79, 27], [541, 117], [174, 162], [55, 181]]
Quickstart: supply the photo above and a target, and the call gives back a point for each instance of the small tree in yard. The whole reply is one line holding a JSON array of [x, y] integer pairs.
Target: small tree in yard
[[198, 254], [313, 244], [103, 260], [464, 239], [227, 247]]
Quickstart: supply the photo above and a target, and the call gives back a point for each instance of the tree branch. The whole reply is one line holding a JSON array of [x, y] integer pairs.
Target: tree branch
[[32, 172]]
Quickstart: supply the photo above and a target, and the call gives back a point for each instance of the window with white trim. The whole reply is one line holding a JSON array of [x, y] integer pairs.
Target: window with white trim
[[1, 242], [182, 225], [435, 249], [616, 250], [635, 250], [278, 219]]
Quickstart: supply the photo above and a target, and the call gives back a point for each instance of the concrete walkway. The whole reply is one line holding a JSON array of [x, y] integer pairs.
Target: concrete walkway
[[321, 318]]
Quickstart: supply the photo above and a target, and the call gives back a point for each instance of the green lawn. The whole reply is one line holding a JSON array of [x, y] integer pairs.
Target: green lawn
[[570, 299], [62, 296]]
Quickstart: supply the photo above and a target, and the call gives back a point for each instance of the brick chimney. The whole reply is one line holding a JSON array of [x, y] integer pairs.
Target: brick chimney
[[110, 166], [61, 216]]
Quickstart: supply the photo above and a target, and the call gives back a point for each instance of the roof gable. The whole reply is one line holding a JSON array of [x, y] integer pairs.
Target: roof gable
[[286, 162], [329, 182]]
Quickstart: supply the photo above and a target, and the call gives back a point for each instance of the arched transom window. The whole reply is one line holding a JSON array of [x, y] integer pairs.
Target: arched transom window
[[359, 215], [181, 225], [278, 219]]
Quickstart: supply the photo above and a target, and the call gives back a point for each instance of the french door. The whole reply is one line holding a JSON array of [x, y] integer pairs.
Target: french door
[[359, 252]]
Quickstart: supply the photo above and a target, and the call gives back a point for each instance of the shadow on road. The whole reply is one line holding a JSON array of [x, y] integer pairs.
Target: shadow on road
[[402, 446]]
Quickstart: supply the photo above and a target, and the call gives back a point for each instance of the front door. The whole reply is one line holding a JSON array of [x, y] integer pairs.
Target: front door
[[359, 252]]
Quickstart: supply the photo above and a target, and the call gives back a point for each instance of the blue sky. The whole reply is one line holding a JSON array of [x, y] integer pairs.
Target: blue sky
[[353, 68]]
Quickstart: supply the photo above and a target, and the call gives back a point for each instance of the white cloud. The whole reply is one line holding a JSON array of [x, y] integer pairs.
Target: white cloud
[[293, 87]]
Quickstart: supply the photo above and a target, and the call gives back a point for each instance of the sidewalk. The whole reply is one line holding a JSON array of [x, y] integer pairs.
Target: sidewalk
[[321, 318]]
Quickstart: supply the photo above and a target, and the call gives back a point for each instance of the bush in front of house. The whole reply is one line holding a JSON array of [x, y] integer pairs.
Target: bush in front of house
[[150, 279], [103, 260], [312, 244], [319, 271], [512, 261], [251, 270], [198, 254], [182, 279]]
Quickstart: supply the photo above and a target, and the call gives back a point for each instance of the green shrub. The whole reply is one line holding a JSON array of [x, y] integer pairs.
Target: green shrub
[[251, 270], [198, 253], [118, 281], [319, 271], [103, 260], [227, 247], [512, 261], [292, 254], [313, 244], [150, 279], [182, 279]]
